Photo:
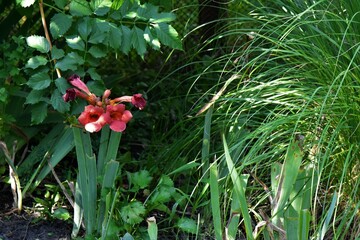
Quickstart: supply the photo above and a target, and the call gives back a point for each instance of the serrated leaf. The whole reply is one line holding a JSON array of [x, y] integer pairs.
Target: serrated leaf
[[187, 225], [162, 17], [27, 3], [84, 27], [133, 212], [99, 31], [80, 8], [149, 38], [39, 112], [76, 42], [62, 84], [39, 43], [60, 24], [97, 52], [35, 96], [61, 3], [39, 81], [36, 62], [57, 53], [102, 7], [70, 62], [93, 74], [167, 35], [138, 41], [126, 39], [58, 103], [114, 36], [141, 179]]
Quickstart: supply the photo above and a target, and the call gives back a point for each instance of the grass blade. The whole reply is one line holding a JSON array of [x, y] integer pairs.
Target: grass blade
[[215, 200]]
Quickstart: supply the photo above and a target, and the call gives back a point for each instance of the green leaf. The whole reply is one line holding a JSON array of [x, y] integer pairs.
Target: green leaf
[[58, 103], [126, 39], [70, 62], [138, 41], [39, 112], [93, 74], [84, 27], [35, 96], [61, 213], [80, 8], [36, 62], [114, 36], [3, 94], [102, 7], [62, 84], [76, 42], [187, 225], [149, 38], [162, 17], [39, 81], [60, 24], [39, 43], [140, 179], [57, 53], [27, 3], [133, 212], [97, 52], [99, 31], [61, 3], [167, 35]]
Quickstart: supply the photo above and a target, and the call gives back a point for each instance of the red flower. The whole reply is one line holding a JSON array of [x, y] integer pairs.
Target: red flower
[[93, 118], [138, 101], [117, 117], [76, 82]]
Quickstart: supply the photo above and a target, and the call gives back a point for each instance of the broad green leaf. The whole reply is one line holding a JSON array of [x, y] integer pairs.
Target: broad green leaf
[[162, 17], [35, 96], [126, 39], [58, 103], [39, 81], [39, 112], [127, 236], [76, 42], [36, 62], [187, 225], [93, 74], [84, 27], [97, 52], [62, 84], [133, 212], [80, 8], [99, 31], [70, 62], [152, 228], [61, 3], [3, 94], [27, 3], [61, 213], [96, 87], [149, 38], [140, 179], [102, 7], [60, 24], [114, 36], [167, 35], [57, 53], [138, 41], [39, 43]]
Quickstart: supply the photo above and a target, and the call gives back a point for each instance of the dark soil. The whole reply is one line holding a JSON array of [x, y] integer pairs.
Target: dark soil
[[25, 226]]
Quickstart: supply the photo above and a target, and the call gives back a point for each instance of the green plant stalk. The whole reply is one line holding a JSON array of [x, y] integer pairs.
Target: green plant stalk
[[215, 203], [239, 191], [206, 143], [87, 178]]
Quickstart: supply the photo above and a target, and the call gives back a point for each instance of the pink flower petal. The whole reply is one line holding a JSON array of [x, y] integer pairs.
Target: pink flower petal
[[138, 101], [76, 82], [117, 126]]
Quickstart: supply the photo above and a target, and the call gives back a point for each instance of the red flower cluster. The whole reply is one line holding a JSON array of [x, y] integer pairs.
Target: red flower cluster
[[102, 111]]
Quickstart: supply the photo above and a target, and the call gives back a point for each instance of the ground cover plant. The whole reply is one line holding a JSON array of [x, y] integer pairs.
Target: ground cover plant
[[251, 131]]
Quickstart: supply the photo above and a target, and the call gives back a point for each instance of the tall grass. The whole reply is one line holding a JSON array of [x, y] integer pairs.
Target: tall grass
[[285, 70]]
